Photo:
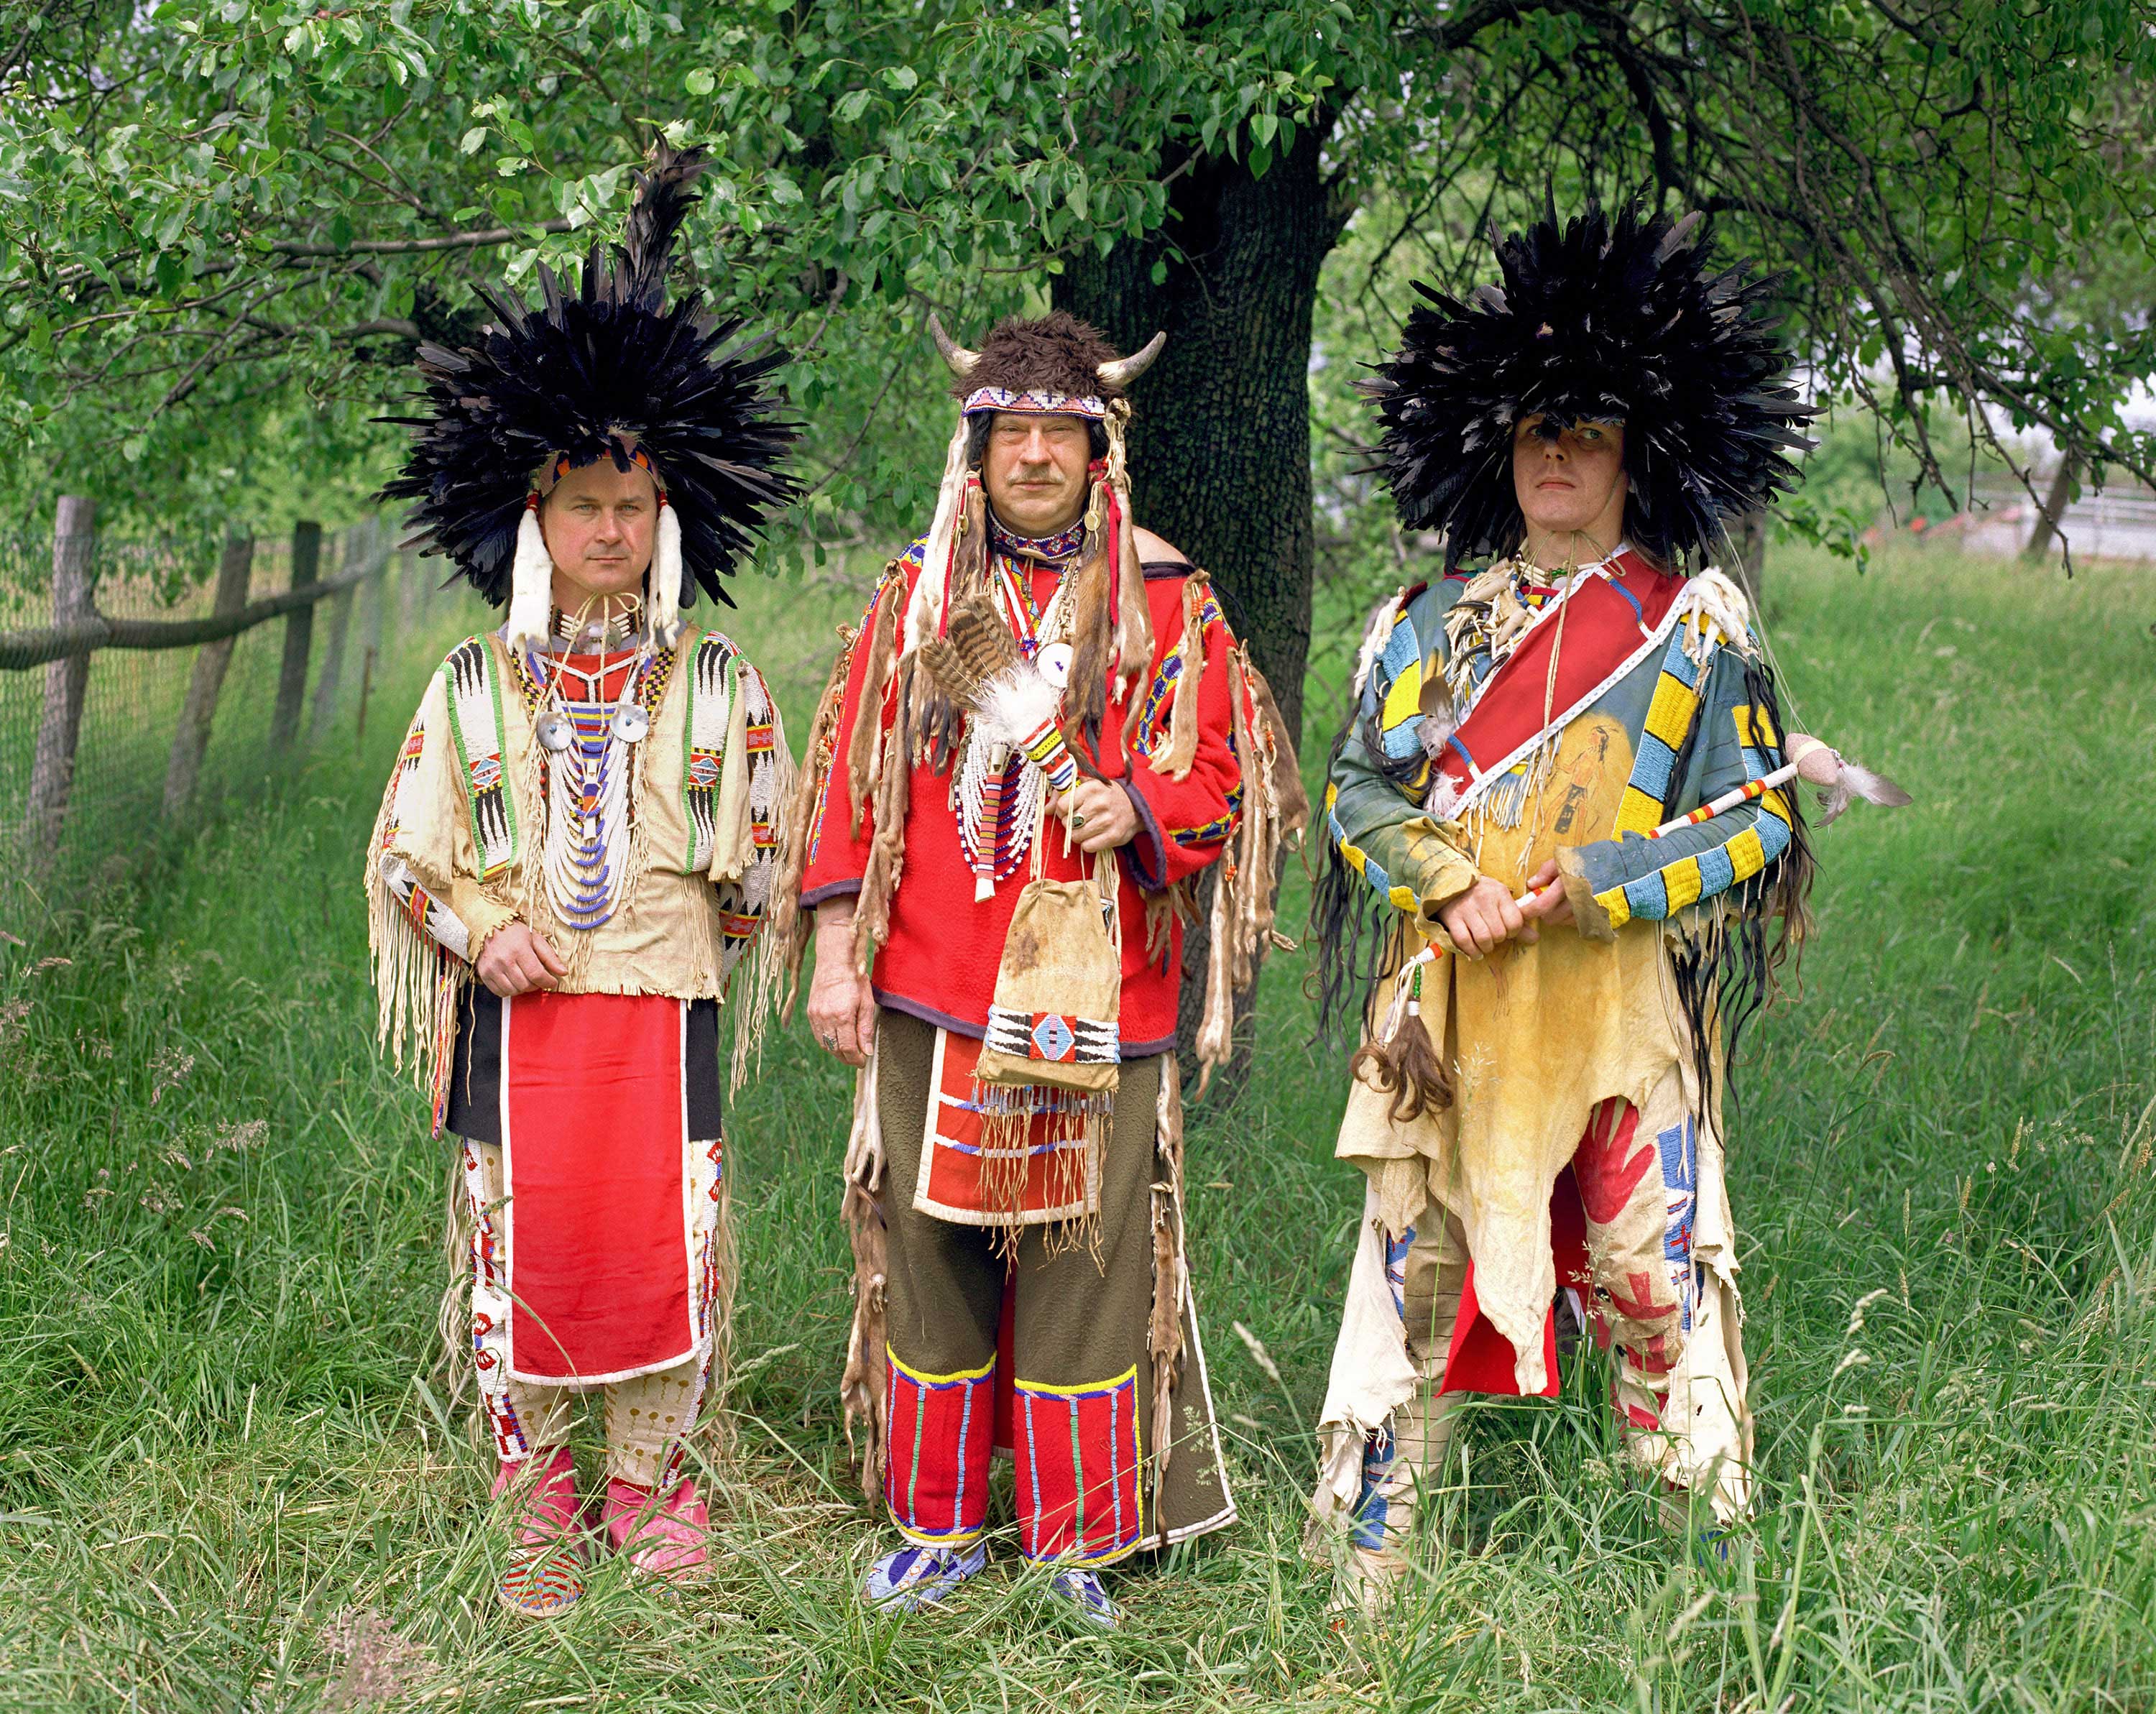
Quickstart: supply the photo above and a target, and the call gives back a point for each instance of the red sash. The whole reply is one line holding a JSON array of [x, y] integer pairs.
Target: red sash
[[1611, 620], [594, 1138]]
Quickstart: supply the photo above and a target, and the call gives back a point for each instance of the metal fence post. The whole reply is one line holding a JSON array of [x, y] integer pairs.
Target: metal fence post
[[52, 771], [191, 740], [298, 637], [353, 552]]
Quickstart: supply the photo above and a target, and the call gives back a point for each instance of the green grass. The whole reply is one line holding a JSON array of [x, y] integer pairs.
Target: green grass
[[226, 1481]]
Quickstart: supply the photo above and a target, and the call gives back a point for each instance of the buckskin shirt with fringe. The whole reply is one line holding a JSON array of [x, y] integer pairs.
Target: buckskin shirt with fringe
[[592, 1196], [1582, 1144]]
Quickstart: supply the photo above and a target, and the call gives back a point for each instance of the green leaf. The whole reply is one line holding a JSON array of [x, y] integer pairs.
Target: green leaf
[[900, 77], [469, 143], [851, 107], [1262, 127], [699, 82]]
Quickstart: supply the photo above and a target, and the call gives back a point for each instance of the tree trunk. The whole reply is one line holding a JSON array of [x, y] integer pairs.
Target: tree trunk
[[1748, 534], [2046, 529], [1220, 445], [67, 680]]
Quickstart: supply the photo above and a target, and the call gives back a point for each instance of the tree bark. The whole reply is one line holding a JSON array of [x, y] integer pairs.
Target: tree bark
[[1748, 534], [1219, 443], [59, 727], [2046, 528]]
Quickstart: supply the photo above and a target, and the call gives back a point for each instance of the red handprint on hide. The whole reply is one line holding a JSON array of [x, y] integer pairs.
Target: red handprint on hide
[[1608, 1167]]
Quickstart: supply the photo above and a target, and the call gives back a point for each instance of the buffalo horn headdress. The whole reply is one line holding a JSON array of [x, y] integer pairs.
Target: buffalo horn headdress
[[614, 372], [1599, 319], [1055, 365]]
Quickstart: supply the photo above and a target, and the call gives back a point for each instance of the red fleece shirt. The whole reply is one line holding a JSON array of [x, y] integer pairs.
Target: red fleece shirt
[[941, 960]]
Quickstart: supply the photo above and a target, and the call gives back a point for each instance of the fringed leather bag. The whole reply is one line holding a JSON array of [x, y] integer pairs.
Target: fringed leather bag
[[1054, 1044]]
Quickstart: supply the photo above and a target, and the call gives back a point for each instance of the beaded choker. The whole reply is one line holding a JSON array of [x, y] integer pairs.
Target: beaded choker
[[1050, 550]]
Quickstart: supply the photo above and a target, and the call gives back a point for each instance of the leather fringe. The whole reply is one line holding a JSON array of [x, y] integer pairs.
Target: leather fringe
[[893, 788], [1247, 890], [787, 929], [865, 742], [862, 1387], [1164, 1333], [1189, 684]]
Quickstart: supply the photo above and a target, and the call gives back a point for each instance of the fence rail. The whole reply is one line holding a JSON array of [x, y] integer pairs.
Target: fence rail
[[187, 666]]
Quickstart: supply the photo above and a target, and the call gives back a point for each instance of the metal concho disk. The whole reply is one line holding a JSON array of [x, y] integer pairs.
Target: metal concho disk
[[555, 733], [630, 722], [1055, 664]]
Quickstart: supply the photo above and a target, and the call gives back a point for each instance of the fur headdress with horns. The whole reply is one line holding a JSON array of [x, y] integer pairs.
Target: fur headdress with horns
[[613, 371], [1053, 365], [1598, 320]]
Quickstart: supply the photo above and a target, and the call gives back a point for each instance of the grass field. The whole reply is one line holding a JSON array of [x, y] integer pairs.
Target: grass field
[[227, 1480]]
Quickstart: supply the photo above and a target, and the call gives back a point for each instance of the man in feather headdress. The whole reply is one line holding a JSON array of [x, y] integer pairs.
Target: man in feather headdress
[[574, 857], [1045, 720], [1537, 1105]]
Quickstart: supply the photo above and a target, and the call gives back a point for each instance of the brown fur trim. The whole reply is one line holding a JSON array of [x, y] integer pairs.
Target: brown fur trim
[[893, 789], [787, 929], [1183, 717], [1086, 702], [1052, 353], [865, 742], [1133, 616], [1164, 1332], [862, 1388]]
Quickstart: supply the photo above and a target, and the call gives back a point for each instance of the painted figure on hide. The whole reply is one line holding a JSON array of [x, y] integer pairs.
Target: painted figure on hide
[[1556, 980]]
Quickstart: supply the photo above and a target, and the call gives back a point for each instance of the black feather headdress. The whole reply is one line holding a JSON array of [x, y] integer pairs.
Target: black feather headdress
[[614, 372], [1598, 320]]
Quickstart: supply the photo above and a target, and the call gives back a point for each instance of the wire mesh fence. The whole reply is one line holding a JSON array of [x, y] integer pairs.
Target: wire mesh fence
[[165, 733]]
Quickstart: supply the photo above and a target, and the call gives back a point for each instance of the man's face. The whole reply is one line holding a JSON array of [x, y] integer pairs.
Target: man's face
[[1034, 471], [1572, 480], [598, 524]]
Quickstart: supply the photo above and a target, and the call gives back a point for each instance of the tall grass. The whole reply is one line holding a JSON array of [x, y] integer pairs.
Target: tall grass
[[228, 1481]]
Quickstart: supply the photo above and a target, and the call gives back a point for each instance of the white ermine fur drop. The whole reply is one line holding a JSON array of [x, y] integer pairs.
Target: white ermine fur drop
[[531, 585], [666, 577], [924, 613]]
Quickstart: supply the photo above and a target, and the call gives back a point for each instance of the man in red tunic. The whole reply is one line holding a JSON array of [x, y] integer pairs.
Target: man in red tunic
[[1022, 1280]]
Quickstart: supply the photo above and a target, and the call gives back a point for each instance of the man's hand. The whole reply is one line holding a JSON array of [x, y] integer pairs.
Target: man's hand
[[842, 1007], [1101, 815], [1485, 917], [1551, 903], [515, 960]]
